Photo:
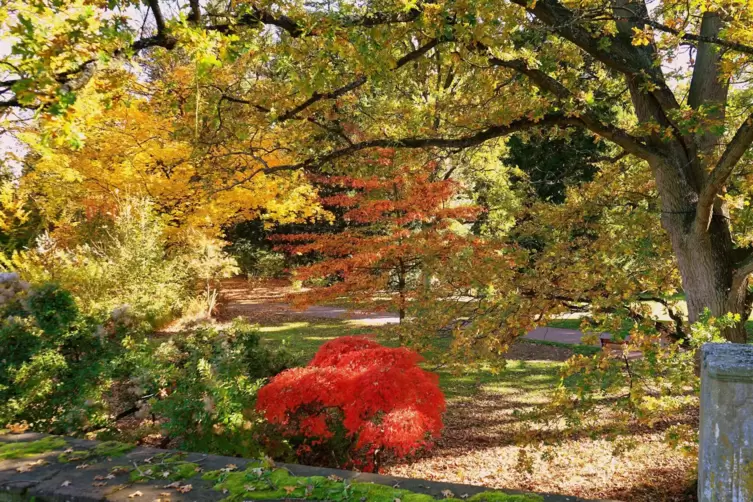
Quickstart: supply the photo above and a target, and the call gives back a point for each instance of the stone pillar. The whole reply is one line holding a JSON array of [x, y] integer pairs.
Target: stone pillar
[[725, 460]]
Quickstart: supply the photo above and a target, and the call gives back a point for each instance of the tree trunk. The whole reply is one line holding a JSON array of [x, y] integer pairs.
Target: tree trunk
[[401, 289], [706, 261], [705, 258]]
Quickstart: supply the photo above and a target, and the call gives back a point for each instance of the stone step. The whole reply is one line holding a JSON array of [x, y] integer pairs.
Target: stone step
[[53, 468]]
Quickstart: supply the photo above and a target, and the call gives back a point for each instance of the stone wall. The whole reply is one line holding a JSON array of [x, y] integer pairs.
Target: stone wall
[[48, 468], [725, 463]]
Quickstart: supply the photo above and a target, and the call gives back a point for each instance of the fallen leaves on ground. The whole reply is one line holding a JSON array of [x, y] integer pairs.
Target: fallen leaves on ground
[[478, 446], [18, 428], [31, 465]]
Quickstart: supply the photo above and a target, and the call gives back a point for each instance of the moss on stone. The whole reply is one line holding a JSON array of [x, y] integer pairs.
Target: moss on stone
[[73, 456], [106, 449], [111, 449], [31, 448], [170, 467], [503, 497], [256, 483]]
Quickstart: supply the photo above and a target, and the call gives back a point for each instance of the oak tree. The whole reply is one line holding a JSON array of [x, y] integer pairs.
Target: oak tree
[[441, 77]]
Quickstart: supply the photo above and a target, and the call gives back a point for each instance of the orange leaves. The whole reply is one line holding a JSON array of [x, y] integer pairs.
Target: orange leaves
[[378, 394], [388, 228]]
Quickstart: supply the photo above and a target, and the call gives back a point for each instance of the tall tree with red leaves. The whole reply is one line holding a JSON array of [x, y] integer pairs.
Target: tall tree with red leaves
[[394, 225]]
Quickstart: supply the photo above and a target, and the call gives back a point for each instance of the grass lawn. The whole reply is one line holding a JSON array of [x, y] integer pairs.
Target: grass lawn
[[575, 324], [305, 337], [485, 417]]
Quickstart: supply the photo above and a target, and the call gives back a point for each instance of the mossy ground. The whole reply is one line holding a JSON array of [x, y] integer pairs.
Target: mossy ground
[[260, 483], [170, 467], [30, 449], [106, 449]]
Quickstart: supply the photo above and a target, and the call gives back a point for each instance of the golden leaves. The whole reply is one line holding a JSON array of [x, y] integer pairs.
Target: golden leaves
[[641, 36], [17, 428]]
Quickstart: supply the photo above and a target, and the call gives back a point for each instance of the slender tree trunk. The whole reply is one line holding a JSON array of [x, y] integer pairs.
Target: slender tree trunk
[[401, 289]]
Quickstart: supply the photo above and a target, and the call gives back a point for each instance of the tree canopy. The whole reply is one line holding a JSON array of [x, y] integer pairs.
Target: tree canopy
[[250, 94]]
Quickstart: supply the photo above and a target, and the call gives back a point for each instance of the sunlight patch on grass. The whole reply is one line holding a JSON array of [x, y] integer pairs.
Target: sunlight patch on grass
[[457, 383], [307, 337], [283, 327], [538, 376]]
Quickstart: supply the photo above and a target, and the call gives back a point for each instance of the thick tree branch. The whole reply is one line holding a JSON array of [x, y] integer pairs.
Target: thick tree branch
[[590, 120], [195, 15], [14, 103], [742, 271], [708, 89], [675, 315], [159, 19], [255, 18], [693, 37], [295, 30], [358, 82], [468, 141], [736, 148], [264, 109], [618, 55], [316, 97], [492, 132], [636, 63]]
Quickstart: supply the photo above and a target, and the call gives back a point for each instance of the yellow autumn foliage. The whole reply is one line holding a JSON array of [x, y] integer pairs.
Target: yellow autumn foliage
[[133, 152]]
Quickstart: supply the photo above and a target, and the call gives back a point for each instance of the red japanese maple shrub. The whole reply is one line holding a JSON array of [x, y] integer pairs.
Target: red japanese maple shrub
[[365, 403]]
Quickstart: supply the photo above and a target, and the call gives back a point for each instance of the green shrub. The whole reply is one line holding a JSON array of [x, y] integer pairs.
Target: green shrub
[[112, 262], [203, 385], [56, 362], [255, 261], [65, 372]]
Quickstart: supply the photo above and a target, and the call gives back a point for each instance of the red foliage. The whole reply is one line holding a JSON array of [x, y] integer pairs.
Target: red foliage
[[380, 397], [392, 228]]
